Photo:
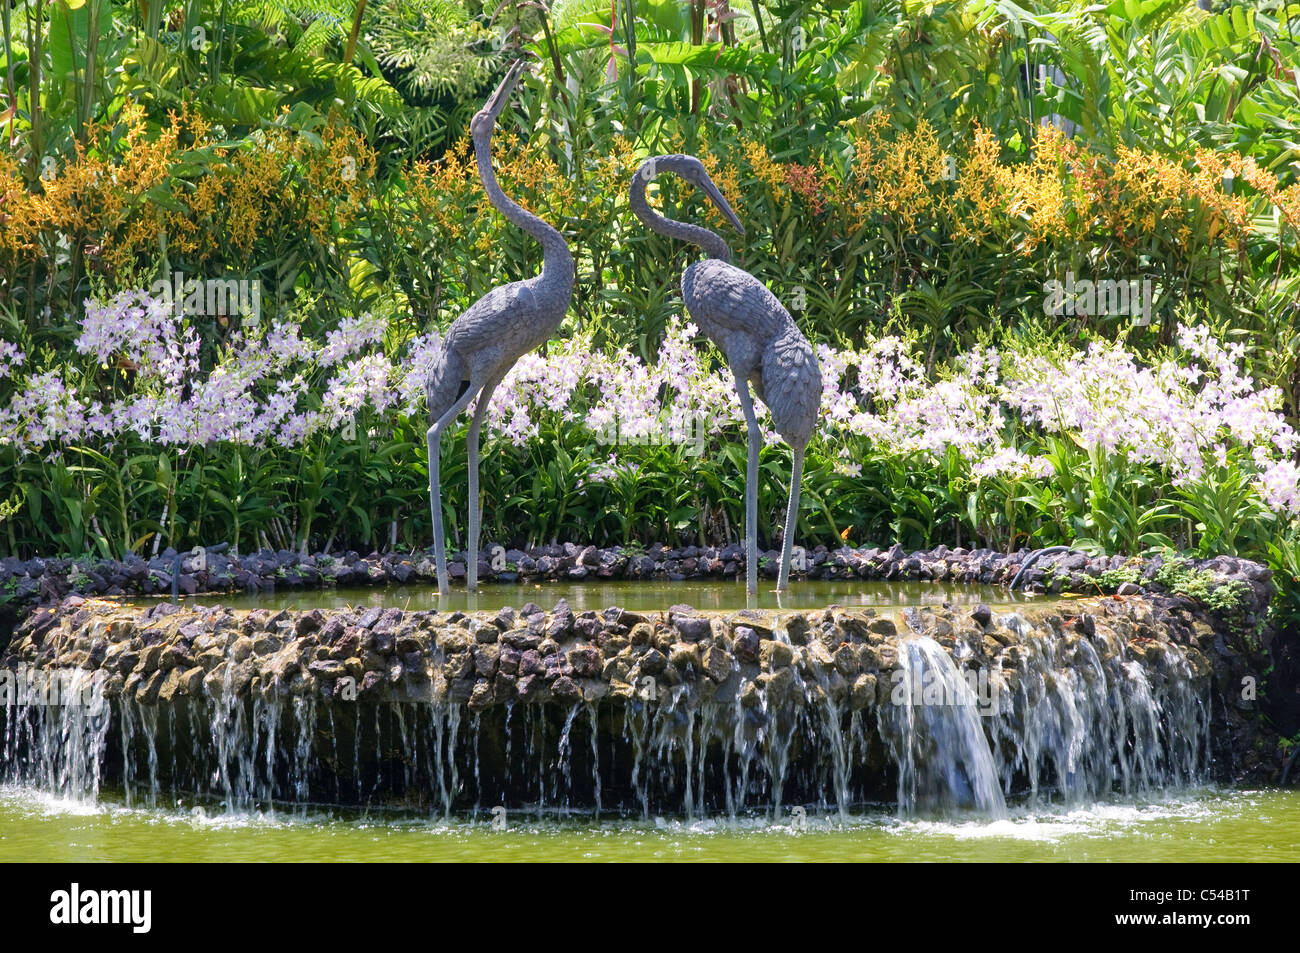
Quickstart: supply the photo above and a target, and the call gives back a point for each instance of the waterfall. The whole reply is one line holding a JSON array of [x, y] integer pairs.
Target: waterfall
[[56, 728], [1046, 713], [936, 735], [1083, 726]]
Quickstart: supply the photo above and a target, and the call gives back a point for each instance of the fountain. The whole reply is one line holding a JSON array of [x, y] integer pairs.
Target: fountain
[[941, 709]]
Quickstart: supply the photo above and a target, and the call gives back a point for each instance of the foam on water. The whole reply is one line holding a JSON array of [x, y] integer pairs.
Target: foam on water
[[1205, 824], [1019, 822]]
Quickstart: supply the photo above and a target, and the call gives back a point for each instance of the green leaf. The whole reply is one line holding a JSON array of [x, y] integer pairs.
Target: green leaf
[[69, 33]]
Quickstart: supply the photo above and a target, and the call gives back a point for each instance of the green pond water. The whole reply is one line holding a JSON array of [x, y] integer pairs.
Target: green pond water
[[635, 596], [1208, 824]]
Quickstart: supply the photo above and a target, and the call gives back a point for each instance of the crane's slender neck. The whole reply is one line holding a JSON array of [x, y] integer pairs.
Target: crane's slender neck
[[557, 262], [710, 242]]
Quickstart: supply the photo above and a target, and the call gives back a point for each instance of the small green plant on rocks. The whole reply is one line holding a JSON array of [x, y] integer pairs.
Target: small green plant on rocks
[[1114, 578], [1179, 575]]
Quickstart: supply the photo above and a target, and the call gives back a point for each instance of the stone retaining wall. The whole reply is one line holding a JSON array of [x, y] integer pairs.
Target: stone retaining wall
[[809, 693]]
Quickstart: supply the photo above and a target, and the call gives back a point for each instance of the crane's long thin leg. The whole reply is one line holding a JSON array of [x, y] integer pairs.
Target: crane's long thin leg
[[434, 437], [476, 422], [751, 485], [791, 520]]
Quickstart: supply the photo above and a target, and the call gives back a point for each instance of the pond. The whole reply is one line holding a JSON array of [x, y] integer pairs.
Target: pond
[[709, 595], [1196, 825]]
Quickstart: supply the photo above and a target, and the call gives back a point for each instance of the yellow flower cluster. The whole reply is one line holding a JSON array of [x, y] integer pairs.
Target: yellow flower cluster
[[726, 180], [22, 214], [134, 189], [903, 178], [276, 180], [612, 171], [124, 199], [530, 175], [770, 173], [99, 196], [440, 205], [438, 195], [978, 189], [1137, 194], [1061, 192], [1035, 193]]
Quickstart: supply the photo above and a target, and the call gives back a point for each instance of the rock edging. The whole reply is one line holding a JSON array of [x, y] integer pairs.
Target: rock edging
[[24, 583], [750, 661]]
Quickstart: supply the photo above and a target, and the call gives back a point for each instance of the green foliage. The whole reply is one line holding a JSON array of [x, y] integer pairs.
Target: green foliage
[[1114, 578], [432, 46], [1284, 557], [631, 79], [1178, 575]]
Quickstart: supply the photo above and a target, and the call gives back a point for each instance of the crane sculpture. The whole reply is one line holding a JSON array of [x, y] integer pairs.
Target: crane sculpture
[[485, 341], [756, 335]]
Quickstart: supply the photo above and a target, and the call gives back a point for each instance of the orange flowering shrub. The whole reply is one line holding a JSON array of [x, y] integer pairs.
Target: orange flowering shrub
[[724, 176], [100, 193], [898, 199], [447, 194], [275, 181], [904, 178], [124, 200], [22, 215], [808, 182], [1060, 193], [770, 173]]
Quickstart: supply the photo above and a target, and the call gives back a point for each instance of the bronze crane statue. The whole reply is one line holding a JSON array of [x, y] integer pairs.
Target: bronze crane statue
[[756, 335], [485, 341]]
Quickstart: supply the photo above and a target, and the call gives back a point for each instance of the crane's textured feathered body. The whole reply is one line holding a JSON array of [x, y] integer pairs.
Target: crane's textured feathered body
[[760, 341], [485, 341], [744, 319], [494, 332]]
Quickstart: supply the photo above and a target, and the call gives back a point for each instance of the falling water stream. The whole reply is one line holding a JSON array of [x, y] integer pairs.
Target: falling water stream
[[1070, 746], [950, 743]]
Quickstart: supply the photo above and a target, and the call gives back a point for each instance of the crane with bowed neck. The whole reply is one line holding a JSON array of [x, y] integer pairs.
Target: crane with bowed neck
[[760, 341]]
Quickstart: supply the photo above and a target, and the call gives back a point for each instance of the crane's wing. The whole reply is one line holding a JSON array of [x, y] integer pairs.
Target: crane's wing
[[792, 386], [497, 318], [718, 293]]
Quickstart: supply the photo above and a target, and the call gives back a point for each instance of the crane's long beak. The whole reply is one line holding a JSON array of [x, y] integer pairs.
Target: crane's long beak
[[496, 102], [715, 195]]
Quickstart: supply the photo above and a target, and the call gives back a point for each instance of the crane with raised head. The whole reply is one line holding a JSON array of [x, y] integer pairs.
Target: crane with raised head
[[485, 341]]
